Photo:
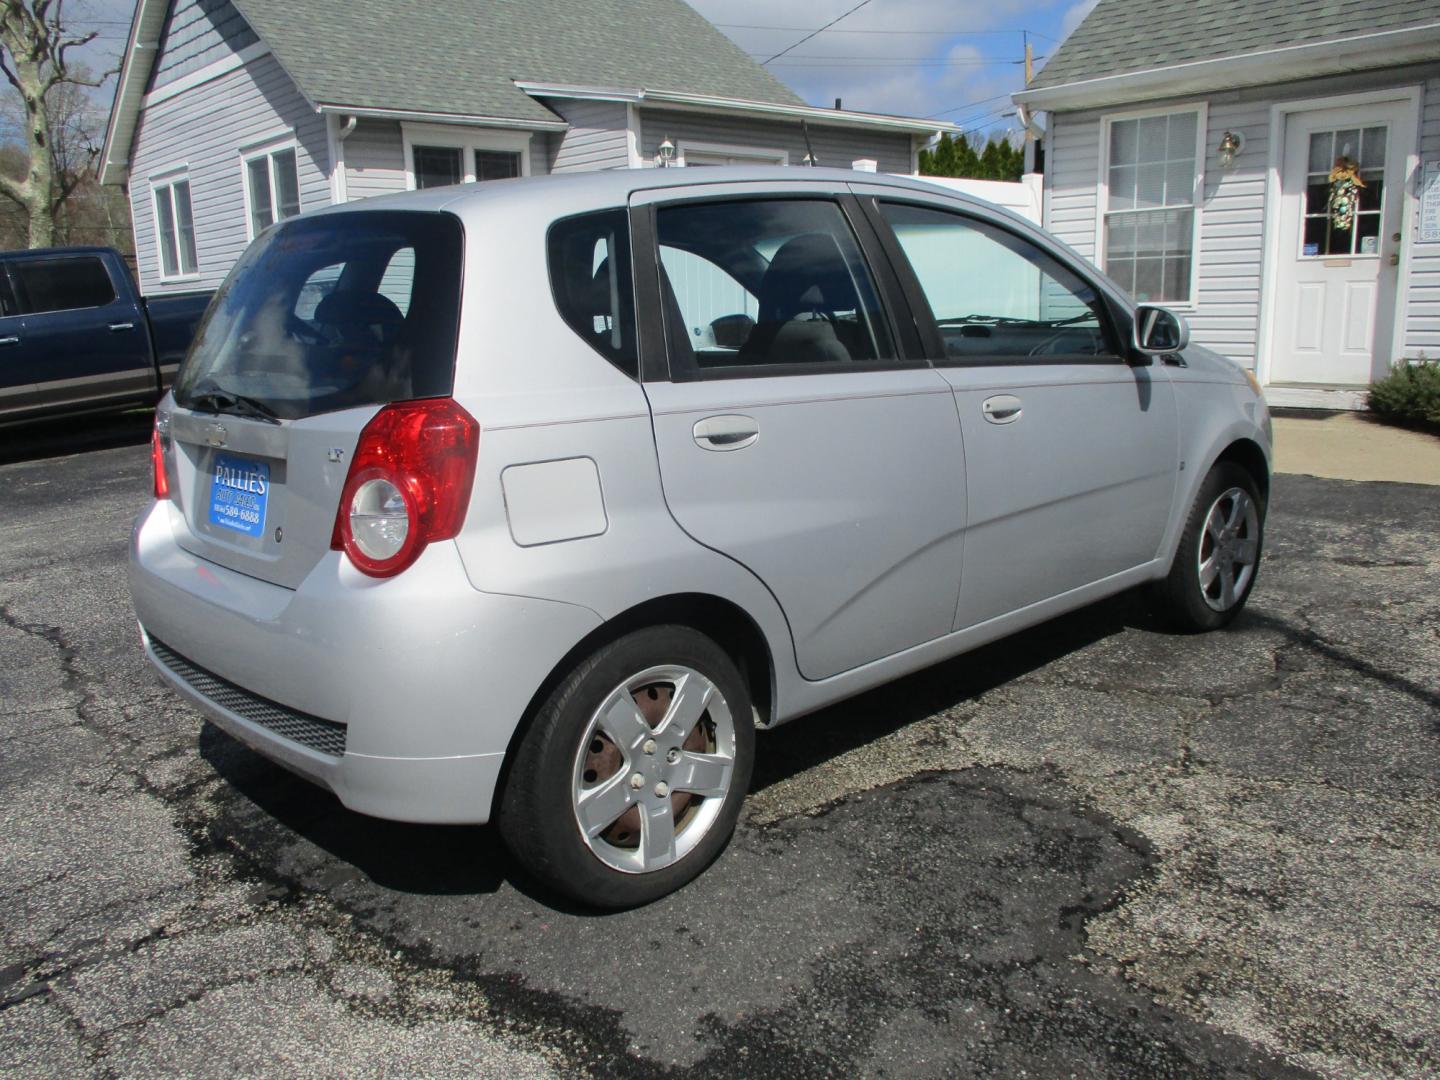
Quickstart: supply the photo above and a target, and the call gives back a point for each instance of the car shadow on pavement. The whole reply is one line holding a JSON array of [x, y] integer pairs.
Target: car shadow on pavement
[[320, 844], [435, 860], [812, 740], [69, 435]]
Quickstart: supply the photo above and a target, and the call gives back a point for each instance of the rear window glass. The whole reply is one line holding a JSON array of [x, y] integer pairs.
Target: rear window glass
[[334, 312], [61, 284]]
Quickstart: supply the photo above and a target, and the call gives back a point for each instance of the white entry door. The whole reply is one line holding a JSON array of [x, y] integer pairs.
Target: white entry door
[[1336, 285]]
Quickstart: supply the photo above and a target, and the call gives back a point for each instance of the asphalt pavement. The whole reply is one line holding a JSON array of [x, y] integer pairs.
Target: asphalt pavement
[[1095, 849]]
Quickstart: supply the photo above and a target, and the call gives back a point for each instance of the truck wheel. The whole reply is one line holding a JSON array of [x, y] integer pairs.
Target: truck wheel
[[630, 780]]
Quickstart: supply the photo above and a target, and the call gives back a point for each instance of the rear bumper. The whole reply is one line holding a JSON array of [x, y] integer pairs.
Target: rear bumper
[[427, 676]]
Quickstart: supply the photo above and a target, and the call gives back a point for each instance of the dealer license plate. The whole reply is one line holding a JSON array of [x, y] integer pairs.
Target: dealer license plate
[[239, 490]]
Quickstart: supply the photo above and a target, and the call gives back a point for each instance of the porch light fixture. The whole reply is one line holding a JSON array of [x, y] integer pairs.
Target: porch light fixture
[[666, 156], [1231, 144]]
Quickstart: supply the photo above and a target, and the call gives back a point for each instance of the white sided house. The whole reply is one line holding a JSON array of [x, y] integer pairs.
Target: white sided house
[[233, 114], [1271, 170]]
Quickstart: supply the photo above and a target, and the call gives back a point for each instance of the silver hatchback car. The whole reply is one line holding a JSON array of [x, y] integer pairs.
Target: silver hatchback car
[[530, 501]]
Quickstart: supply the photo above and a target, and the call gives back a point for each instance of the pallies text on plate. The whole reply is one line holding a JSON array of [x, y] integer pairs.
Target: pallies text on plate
[[241, 480]]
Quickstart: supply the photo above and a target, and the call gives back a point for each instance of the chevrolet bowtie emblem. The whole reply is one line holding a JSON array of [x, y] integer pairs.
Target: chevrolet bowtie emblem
[[215, 435]]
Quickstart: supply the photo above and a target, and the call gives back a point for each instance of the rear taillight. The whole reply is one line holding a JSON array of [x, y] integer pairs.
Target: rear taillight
[[157, 463], [409, 483]]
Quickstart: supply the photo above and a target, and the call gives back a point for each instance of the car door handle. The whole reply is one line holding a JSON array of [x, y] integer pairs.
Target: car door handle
[[115, 327], [12, 340], [726, 432], [1001, 409]]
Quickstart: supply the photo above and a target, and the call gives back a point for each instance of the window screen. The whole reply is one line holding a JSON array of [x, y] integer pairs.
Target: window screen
[[61, 284], [590, 277]]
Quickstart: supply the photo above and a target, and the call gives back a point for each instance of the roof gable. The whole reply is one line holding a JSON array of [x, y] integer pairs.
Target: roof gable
[[463, 57], [1120, 37]]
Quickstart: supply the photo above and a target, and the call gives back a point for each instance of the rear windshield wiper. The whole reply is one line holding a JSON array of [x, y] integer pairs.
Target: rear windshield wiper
[[223, 401]]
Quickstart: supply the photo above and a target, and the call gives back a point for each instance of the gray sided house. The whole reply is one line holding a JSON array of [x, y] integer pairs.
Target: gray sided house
[[1272, 170], [233, 114]]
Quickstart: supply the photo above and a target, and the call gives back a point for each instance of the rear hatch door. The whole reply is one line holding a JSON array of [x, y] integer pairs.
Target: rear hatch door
[[324, 320]]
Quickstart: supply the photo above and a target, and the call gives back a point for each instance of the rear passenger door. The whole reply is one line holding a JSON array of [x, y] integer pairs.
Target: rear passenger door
[[85, 340], [797, 432], [1071, 450]]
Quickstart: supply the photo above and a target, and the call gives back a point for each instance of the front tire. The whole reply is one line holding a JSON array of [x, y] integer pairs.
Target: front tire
[[630, 780], [1219, 554]]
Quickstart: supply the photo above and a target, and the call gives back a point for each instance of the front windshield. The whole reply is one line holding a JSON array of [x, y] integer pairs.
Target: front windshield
[[332, 312]]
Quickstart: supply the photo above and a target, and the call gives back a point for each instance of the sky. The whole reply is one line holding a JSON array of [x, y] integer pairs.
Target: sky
[[956, 60]]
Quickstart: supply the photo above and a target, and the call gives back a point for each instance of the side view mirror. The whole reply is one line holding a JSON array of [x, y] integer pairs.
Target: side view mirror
[[1159, 331]]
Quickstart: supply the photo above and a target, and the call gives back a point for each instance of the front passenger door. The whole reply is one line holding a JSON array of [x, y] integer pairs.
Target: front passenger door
[[1071, 452]]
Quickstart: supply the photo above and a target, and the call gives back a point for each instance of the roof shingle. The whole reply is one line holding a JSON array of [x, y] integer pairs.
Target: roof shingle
[[462, 56], [1123, 36]]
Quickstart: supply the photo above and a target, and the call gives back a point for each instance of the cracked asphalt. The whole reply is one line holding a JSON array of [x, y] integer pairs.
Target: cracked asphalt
[[1095, 849]]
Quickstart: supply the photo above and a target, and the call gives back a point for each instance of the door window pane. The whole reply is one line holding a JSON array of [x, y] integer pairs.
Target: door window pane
[[61, 284], [794, 263], [496, 165], [997, 297], [438, 166], [1151, 176], [1362, 149]]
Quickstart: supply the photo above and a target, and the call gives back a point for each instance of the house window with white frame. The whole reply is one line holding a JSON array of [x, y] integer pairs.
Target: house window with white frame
[[440, 154], [1152, 181], [175, 227], [272, 187]]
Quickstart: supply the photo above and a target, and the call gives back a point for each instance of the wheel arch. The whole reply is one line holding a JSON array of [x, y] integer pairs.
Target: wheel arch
[[1247, 454], [721, 620]]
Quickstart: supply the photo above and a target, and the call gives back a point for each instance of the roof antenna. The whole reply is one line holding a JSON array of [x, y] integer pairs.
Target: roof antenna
[[809, 150]]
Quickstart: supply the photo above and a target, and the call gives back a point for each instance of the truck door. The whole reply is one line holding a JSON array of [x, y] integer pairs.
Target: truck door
[[84, 337]]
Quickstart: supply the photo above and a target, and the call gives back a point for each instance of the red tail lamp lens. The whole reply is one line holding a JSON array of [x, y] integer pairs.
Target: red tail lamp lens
[[157, 464], [409, 483]]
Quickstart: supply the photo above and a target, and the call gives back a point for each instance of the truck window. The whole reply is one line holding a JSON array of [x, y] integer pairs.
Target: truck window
[[61, 284]]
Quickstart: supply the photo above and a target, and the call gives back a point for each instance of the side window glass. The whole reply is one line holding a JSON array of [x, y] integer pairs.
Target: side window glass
[[996, 297], [589, 257], [61, 284], [766, 283]]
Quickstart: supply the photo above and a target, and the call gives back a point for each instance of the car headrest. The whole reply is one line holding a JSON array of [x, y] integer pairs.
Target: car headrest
[[807, 273]]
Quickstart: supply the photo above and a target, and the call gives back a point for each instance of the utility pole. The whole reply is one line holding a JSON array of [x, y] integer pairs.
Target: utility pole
[[1029, 57]]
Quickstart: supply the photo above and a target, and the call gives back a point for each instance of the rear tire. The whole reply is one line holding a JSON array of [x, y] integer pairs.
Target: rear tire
[[1218, 558], [630, 780]]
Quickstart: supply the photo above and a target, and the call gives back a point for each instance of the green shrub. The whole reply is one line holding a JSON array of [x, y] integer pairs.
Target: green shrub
[[1409, 395]]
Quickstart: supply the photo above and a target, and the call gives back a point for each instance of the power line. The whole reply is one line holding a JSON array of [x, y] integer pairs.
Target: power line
[[968, 105], [822, 29], [982, 60], [912, 33]]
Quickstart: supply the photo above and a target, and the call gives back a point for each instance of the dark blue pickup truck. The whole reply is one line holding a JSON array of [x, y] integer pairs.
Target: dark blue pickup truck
[[76, 335]]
